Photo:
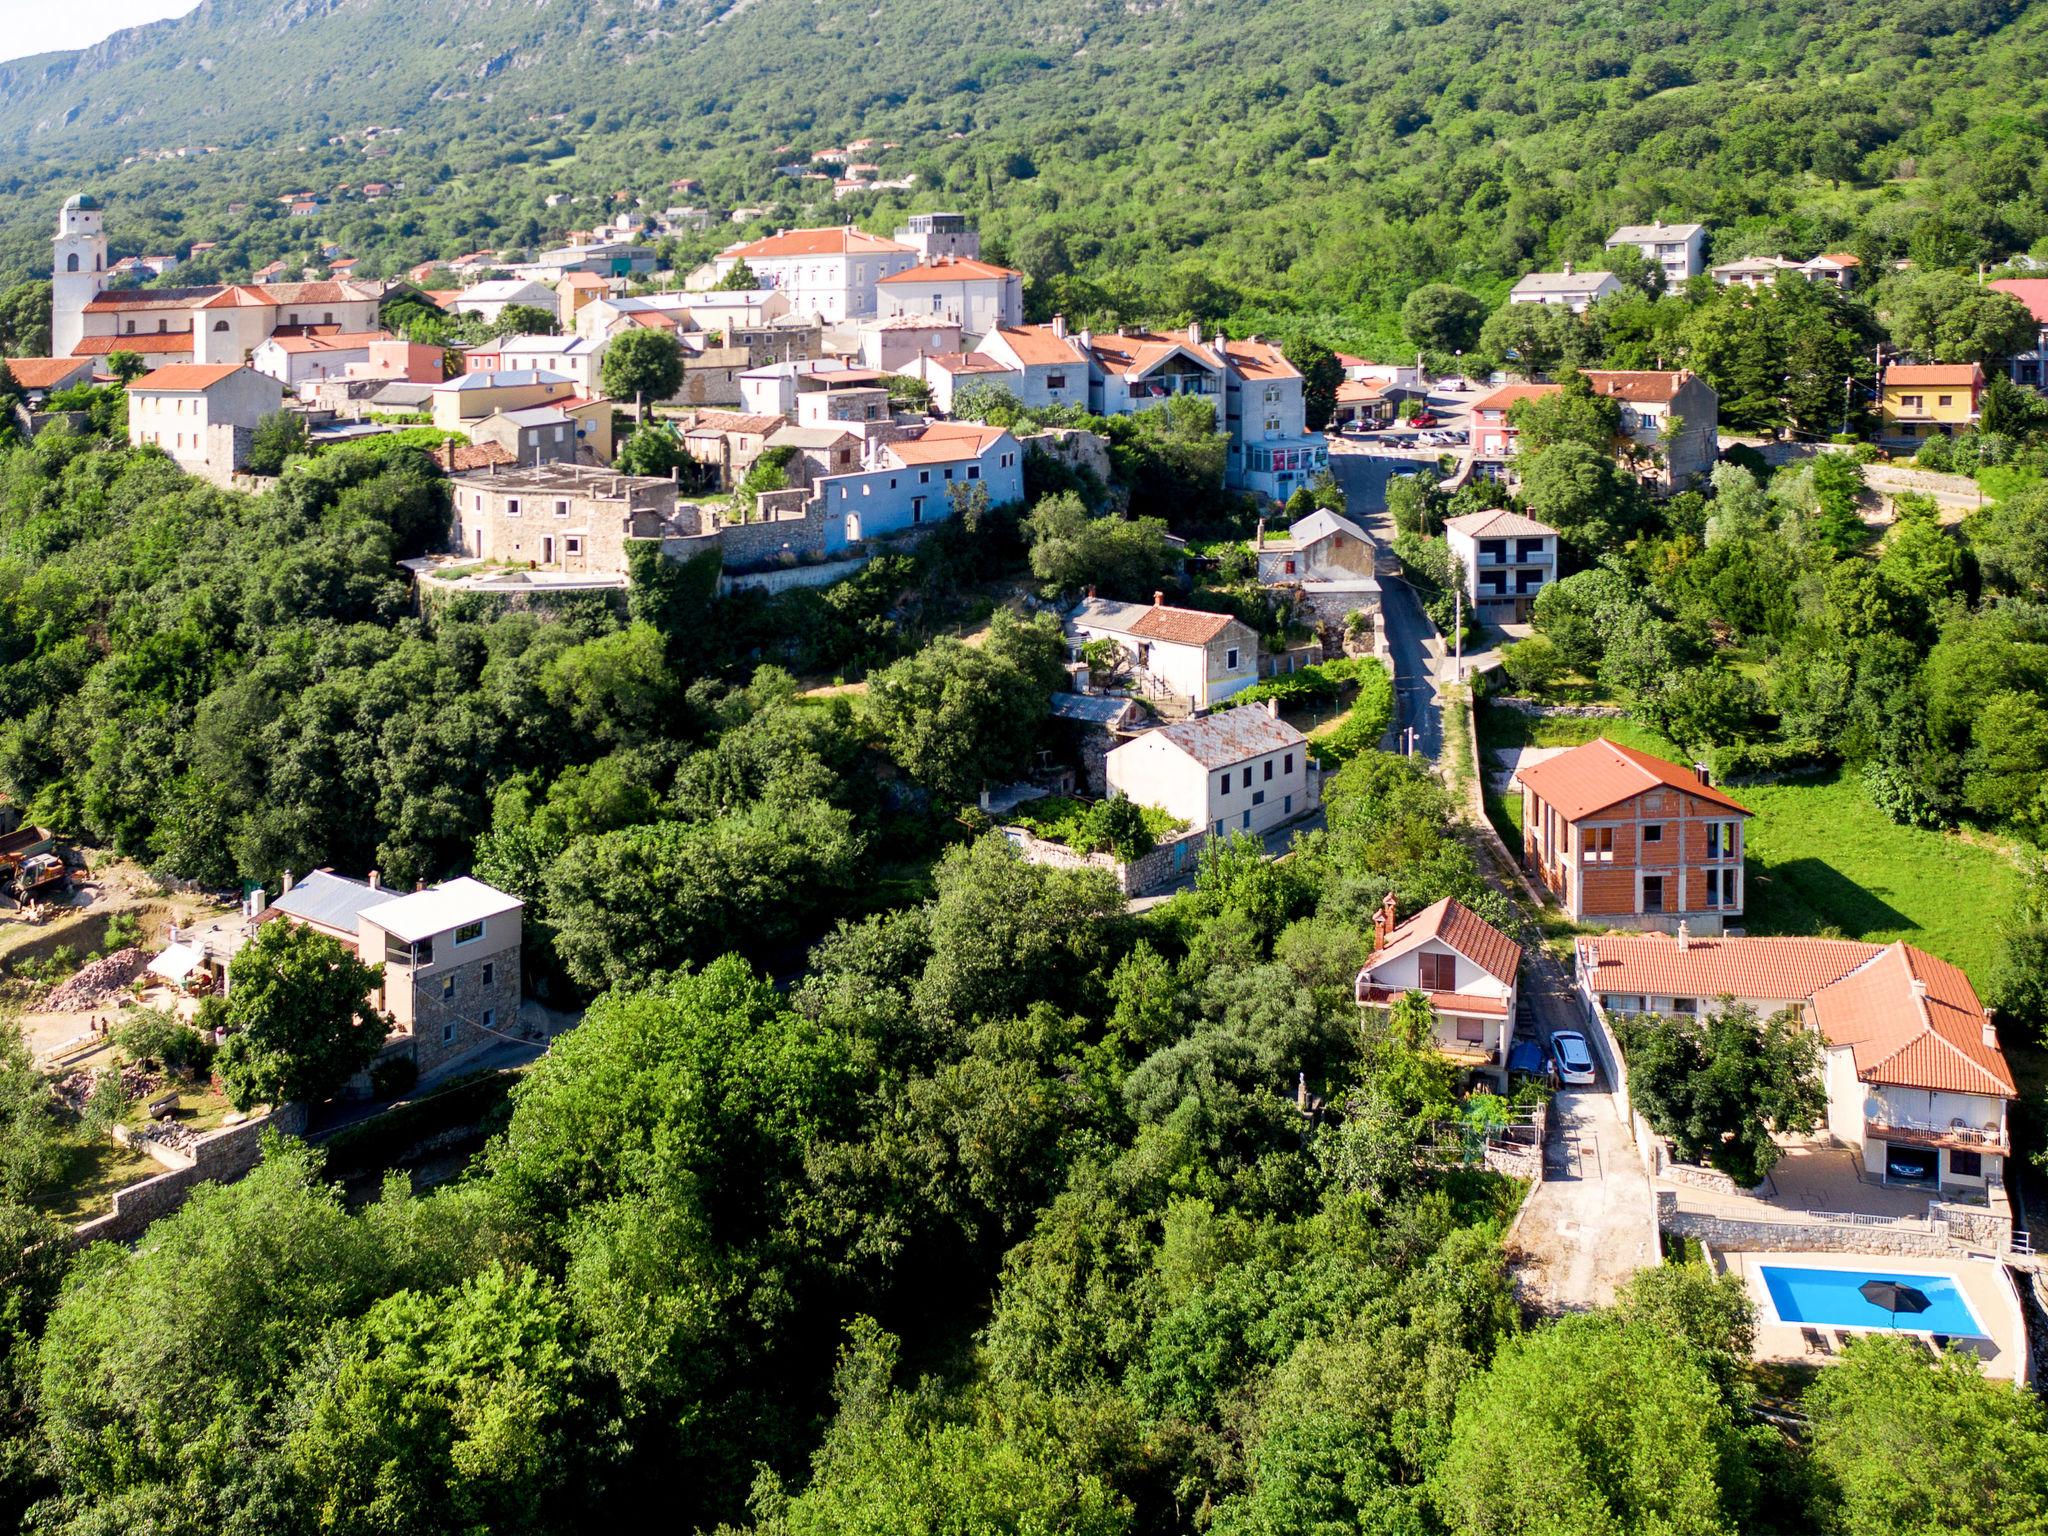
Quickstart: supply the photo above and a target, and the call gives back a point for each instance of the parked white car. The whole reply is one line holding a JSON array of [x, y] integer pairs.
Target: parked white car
[[1574, 1059]]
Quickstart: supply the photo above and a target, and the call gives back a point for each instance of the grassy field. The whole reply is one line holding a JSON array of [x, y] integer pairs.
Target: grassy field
[[1822, 858]]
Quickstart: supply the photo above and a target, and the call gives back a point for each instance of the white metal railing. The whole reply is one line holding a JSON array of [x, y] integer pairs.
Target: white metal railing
[[1883, 1120]]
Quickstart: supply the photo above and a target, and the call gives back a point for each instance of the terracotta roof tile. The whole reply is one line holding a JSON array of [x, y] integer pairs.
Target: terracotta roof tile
[[1644, 385], [1960, 375], [1763, 970], [1451, 922], [157, 343], [1499, 524], [2030, 291], [840, 240], [1508, 394], [46, 372], [185, 377], [1258, 359], [1037, 346], [944, 442], [1592, 777], [952, 269]]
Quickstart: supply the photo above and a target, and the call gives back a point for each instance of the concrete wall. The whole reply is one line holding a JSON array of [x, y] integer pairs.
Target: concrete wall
[[1932, 1240], [823, 575], [224, 1156]]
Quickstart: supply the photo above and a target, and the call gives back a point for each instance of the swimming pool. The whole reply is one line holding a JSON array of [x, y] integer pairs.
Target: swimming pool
[[1829, 1297]]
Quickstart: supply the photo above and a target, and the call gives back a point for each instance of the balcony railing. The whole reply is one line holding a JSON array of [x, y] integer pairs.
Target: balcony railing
[[1885, 1126]]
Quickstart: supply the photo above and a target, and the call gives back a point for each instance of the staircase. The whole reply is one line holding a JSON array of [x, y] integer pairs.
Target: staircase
[[1153, 689]]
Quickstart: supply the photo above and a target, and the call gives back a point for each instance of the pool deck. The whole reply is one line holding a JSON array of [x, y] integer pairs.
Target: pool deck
[[1983, 1283]]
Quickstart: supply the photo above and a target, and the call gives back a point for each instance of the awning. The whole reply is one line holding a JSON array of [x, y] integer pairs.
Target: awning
[[177, 962]]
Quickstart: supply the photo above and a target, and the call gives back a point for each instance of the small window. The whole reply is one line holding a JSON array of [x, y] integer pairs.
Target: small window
[[1258, 797], [974, 471], [1219, 829], [512, 506], [1247, 822], [1653, 893], [1223, 784], [448, 1032], [1654, 832], [490, 972], [1437, 973], [1269, 769], [573, 545], [924, 477], [1968, 1165], [1247, 778], [447, 988], [1287, 763], [469, 933], [1685, 1005], [490, 1018], [917, 509], [561, 509], [1472, 1031], [1230, 659]]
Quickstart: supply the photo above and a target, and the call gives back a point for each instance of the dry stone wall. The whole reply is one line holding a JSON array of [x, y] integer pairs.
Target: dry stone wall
[[223, 1156]]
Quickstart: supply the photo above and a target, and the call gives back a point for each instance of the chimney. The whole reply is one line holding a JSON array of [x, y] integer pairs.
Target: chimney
[[1684, 936], [1383, 921], [1087, 341], [1195, 332], [1990, 1029], [1701, 772], [1273, 708], [1568, 269], [287, 882], [1920, 987], [376, 884], [1259, 539], [1059, 326], [1158, 599], [1091, 591], [1301, 1092]]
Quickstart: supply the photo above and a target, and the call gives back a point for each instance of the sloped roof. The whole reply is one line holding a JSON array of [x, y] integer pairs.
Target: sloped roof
[[185, 378], [1229, 736], [1174, 626], [512, 378], [1565, 282], [840, 240], [1139, 352], [145, 342], [1636, 234], [240, 296], [953, 269], [1358, 391], [1038, 346], [2030, 291], [1499, 524], [1257, 359], [331, 900], [1596, 775], [1913, 1020], [46, 372], [340, 341], [113, 300], [1321, 524], [943, 442], [1451, 922], [423, 914], [961, 364], [1508, 394], [1767, 970], [1647, 386], [1959, 375], [327, 292]]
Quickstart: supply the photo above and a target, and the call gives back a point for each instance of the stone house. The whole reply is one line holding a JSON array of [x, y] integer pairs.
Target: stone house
[[202, 414], [569, 518], [1328, 562], [1652, 401]]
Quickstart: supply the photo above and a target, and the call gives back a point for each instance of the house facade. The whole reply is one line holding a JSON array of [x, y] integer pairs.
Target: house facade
[[1239, 770], [1670, 420], [933, 235], [308, 358], [1050, 366], [832, 273], [1492, 438], [1464, 966], [1917, 1084], [202, 415], [575, 358], [976, 296], [1679, 251], [1198, 658], [489, 301], [1570, 289], [1272, 452], [1923, 400], [911, 481], [1508, 559], [2031, 366], [473, 396], [1329, 563], [569, 518], [1631, 840]]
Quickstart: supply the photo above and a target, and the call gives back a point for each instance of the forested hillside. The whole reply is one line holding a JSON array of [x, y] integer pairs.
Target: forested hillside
[[1298, 158]]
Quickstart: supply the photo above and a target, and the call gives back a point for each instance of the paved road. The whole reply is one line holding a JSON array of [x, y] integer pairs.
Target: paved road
[[1413, 648], [1592, 1222]]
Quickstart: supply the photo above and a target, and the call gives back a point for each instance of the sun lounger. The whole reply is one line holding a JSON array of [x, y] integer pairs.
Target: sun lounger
[[1815, 1341], [1941, 1343], [1841, 1338]]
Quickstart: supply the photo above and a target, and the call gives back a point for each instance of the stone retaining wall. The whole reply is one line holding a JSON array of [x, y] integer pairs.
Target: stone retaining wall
[[822, 575], [1665, 1166], [224, 1156], [1732, 1233], [1140, 877]]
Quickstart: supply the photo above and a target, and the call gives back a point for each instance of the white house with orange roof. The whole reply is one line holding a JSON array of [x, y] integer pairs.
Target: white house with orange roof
[[1492, 436], [296, 358], [1463, 965], [834, 273], [910, 481], [1198, 657], [2031, 366], [977, 296], [201, 414], [946, 373], [1050, 365], [1917, 1084], [1272, 452]]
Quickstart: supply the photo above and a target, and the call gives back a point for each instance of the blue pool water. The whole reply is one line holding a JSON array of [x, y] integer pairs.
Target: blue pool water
[[1829, 1297]]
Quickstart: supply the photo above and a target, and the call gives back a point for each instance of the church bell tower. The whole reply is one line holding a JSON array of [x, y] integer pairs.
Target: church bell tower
[[77, 270]]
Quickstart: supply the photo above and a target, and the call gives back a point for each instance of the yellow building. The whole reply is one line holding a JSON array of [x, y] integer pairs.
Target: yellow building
[[1923, 399], [474, 396]]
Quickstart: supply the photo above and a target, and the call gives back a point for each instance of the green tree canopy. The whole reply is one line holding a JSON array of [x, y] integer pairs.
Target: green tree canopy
[[298, 1017]]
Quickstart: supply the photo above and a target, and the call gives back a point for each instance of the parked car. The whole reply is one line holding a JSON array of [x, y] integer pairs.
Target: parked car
[[1574, 1058], [1422, 419]]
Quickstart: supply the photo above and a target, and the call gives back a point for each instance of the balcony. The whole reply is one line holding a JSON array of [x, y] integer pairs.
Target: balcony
[[1881, 1125]]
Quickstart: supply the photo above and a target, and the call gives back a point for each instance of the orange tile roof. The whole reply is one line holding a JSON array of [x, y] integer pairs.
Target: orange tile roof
[[1592, 777], [1961, 375], [840, 240], [1180, 626], [1761, 970], [145, 343], [1867, 998], [952, 269], [319, 293], [1499, 524], [454, 457], [46, 372], [183, 378], [654, 319], [2030, 291], [1508, 394], [107, 303], [1913, 1020], [1451, 922], [240, 296], [338, 341], [1258, 359], [967, 362], [1036, 345], [1357, 391], [1644, 385], [944, 442], [1142, 351]]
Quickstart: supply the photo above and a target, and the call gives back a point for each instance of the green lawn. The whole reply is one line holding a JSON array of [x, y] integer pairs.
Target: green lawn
[[1823, 858]]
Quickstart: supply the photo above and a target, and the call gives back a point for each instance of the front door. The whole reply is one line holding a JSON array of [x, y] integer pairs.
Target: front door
[[547, 549]]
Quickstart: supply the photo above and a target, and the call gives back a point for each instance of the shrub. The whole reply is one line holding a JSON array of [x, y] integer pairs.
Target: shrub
[[393, 1076], [1532, 664], [158, 1038], [1761, 759]]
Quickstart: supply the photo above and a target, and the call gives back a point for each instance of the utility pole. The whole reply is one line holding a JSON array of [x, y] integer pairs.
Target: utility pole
[[1847, 380], [1458, 630]]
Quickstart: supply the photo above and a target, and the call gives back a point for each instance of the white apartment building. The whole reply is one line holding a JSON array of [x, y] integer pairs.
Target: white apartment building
[[977, 296], [202, 414], [832, 273], [1680, 250], [1507, 559]]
